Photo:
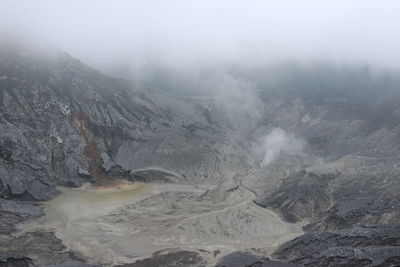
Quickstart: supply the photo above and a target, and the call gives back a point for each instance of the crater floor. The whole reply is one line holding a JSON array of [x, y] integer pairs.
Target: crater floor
[[120, 224]]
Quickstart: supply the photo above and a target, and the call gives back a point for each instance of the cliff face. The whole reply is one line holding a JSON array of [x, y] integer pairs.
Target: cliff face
[[63, 123]]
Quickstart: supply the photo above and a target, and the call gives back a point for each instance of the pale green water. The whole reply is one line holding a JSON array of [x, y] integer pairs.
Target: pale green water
[[90, 201]]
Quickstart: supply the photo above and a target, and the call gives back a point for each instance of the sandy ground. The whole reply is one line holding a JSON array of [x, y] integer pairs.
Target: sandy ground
[[119, 224]]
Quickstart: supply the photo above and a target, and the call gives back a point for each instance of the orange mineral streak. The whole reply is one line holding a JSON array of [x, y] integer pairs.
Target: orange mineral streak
[[93, 157]]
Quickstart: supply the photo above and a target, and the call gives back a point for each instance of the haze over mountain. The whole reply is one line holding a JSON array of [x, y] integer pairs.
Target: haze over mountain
[[227, 133], [176, 32]]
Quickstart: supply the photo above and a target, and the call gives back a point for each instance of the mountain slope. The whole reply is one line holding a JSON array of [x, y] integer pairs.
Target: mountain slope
[[63, 123]]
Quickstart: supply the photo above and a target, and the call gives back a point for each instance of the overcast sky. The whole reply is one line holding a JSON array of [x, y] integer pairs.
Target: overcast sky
[[103, 32]]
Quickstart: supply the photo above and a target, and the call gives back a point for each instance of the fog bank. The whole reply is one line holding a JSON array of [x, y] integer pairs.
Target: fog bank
[[123, 36]]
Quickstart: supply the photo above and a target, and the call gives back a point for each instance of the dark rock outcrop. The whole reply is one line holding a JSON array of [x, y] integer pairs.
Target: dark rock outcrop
[[242, 259], [72, 264], [301, 195], [170, 259], [13, 213], [361, 246], [16, 262], [37, 247]]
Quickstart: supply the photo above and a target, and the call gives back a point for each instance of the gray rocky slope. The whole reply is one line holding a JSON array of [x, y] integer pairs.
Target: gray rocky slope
[[350, 121], [63, 123]]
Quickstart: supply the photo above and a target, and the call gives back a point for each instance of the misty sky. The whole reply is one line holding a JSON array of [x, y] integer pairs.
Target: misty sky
[[179, 32]]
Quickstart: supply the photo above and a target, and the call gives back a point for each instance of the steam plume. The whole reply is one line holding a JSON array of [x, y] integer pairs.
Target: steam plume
[[279, 142]]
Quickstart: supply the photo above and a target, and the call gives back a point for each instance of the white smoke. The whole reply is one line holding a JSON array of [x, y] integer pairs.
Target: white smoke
[[279, 142]]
